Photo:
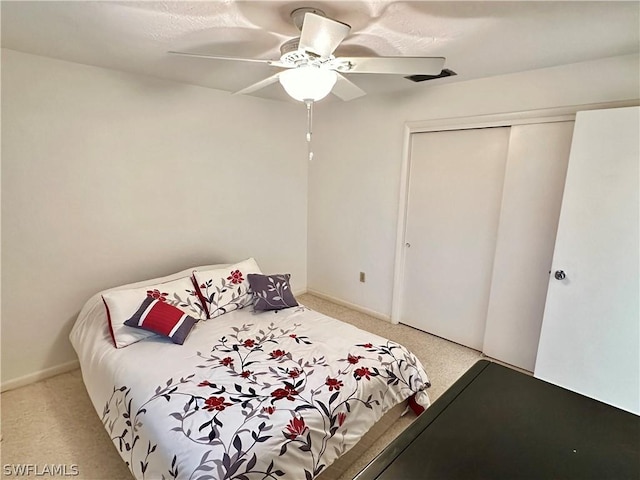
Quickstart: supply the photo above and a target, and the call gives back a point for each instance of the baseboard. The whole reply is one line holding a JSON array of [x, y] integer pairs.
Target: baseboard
[[39, 375], [508, 365], [352, 306], [297, 293]]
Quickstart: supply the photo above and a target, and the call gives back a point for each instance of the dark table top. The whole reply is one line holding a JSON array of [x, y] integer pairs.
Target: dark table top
[[497, 423]]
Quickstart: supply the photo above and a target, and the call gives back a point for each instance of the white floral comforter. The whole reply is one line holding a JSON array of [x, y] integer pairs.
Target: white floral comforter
[[268, 395]]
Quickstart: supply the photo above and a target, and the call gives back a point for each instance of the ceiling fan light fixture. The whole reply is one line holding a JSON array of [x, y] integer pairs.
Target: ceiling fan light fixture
[[308, 82]]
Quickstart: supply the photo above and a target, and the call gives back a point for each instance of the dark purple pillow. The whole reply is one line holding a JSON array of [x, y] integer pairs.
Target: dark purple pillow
[[271, 292]]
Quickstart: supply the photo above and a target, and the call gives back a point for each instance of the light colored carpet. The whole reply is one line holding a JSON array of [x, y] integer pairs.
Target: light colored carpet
[[54, 422]]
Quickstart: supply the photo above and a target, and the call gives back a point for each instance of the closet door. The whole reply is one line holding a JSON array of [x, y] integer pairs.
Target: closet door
[[590, 339], [455, 190], [533, 186]]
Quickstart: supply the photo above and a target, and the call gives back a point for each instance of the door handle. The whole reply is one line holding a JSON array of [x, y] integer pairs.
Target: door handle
[[560, 275], [408, 245]]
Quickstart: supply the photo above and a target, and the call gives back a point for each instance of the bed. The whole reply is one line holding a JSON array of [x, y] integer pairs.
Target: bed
[[268, 394]]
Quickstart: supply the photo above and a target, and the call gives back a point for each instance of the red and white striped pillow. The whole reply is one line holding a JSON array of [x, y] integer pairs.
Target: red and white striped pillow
[[164, 319], [122, 304]]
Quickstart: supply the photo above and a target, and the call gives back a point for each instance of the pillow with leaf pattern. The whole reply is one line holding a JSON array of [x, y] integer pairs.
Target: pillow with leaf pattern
[[227, 289], [271, 292]]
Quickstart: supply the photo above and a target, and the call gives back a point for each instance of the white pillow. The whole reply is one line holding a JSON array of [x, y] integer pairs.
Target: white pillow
[[226, 289], [122, 304]]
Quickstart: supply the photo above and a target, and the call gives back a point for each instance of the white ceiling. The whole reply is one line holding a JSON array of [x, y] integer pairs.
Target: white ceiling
[[479, 39]]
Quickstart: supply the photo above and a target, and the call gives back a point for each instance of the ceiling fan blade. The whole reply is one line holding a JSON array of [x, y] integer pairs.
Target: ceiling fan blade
[[261, 84], [346, 90], [218, 57], [322, 35], [391, 65]]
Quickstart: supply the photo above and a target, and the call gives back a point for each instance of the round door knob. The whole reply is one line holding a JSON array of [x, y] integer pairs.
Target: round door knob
[[560, 275], [408, 245]]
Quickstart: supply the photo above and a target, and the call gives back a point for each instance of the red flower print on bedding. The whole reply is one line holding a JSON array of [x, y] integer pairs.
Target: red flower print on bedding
[[227, 361], [353, 360], [215, 403], [268, 410], [276, 354], [341, 418], [235, 277], [362, 372], [223, 291], [287, 392], [333, 384], [296, 428], [156, 294], [266, 383]]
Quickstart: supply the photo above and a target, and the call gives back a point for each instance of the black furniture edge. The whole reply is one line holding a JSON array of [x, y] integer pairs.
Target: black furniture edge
[[397, 446]]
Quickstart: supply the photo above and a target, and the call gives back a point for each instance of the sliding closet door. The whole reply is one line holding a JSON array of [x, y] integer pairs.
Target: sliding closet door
[[533, 186], [455, 190]]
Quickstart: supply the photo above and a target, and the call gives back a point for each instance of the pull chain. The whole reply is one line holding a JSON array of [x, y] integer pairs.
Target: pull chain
[[309, 104]]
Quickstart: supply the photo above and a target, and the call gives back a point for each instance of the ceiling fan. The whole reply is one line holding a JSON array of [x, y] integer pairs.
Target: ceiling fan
[[311, 71]]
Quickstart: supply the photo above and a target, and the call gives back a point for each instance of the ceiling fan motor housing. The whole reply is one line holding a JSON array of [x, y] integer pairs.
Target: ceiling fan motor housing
[[290, 53], [297, 16]]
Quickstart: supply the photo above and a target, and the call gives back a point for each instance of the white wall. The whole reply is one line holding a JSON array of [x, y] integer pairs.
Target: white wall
[[354, 180], [109, 178]]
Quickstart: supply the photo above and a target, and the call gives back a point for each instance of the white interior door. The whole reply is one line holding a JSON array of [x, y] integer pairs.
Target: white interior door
[[455, 190], [590, 338], [533, 186]]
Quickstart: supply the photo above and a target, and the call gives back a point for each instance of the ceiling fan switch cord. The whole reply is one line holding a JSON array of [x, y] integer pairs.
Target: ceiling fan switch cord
[[309, 104]]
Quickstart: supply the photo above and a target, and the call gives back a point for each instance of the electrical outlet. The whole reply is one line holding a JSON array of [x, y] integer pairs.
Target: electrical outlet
[[362, 277]]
